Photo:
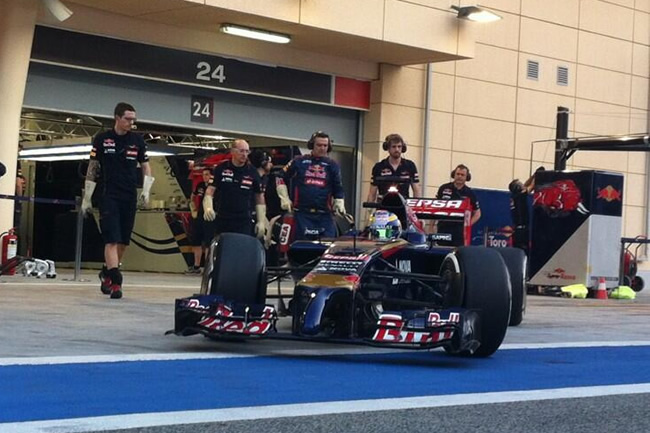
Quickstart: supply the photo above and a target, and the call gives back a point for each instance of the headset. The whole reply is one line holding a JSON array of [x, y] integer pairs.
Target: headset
[[320, 134], [390, 138], [461, 166], [258, 158]]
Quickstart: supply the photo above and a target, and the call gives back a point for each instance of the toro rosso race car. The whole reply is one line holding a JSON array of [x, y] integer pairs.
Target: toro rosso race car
[[384, 286]]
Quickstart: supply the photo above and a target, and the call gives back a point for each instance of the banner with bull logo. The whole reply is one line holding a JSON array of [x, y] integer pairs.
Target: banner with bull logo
[[576, 227]]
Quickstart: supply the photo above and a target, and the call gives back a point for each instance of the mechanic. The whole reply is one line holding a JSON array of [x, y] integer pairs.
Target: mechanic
[[317, 189], [202, 230], [519, 210], [237, 185], [395, 166], [117, 153], [458, 190], [262, 161]]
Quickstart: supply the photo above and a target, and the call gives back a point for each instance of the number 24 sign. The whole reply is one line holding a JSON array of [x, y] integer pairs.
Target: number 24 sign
[[202, 109]]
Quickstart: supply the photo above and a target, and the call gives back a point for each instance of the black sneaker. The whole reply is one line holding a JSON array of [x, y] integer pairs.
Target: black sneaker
[[105, 283], [193, 270], [116, 291]]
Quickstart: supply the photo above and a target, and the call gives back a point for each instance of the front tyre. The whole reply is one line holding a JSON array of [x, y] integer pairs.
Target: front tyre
[[238, 271], [478, 280]]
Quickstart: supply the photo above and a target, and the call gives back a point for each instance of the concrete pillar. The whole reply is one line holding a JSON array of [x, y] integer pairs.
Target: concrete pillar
[[17, 22]]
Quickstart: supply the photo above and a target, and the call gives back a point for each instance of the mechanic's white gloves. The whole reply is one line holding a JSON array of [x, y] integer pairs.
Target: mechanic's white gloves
[[339, 206], [285, 201], [86, 203], [143, 200], [193, 211], [208, 208], [262, 224]]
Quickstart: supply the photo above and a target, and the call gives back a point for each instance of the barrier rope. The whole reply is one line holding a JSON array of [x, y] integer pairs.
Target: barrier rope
[[37, 199]]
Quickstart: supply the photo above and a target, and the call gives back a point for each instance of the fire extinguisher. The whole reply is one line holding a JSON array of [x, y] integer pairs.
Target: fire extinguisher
[[9, 242], [286, 233]]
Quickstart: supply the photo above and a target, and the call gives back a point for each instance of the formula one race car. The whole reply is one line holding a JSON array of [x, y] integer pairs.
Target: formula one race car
[[384, 286]]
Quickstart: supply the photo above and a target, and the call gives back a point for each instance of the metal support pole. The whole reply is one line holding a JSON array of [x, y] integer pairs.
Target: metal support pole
[[77, 251], [561, 135]]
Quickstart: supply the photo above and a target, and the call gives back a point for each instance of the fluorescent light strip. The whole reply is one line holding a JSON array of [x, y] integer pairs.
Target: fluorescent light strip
[[261, 35], [55, 150], [77, 156]]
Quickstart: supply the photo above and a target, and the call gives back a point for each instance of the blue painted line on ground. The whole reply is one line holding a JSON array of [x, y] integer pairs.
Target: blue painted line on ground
[[41, 392]]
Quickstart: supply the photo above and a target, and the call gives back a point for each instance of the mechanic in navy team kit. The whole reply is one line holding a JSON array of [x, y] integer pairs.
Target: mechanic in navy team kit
[[117, 153], [237, 186], [458, 190], [317, 189], [394, 166], [202, 230], [519, 210]]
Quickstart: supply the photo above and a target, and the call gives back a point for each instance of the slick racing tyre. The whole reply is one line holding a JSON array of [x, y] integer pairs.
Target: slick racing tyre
[[238, 269], [478, 280], [516, 261]]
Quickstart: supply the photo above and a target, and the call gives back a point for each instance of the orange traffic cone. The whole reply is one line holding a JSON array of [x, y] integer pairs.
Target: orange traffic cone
[[601, 291]]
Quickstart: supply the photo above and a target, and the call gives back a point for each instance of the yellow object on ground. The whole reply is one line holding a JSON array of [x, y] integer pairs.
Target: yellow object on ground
[[623, 292], [575, 291]]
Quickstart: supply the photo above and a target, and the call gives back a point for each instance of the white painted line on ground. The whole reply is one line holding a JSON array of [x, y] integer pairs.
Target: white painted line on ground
[[143, 420], [559, 345], [88, 359]]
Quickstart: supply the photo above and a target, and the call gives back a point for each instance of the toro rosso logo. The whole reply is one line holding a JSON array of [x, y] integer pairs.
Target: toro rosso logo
[[609, 194], [560, 273], [560, 198]]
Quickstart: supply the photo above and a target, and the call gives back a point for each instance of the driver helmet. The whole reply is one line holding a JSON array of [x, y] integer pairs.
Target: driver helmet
[[384, 225]]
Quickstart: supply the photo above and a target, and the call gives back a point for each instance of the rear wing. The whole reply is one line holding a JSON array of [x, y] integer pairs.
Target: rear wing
[[432, 208], [459, 211]]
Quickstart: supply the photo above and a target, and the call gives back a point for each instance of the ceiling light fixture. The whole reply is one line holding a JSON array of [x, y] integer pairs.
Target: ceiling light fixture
[[261, 35], [474, 13], [58, 9], [68, 153]]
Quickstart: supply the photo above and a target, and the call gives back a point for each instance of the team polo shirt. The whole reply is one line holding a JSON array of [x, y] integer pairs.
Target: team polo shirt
[[449, 192], [406, 171], [235, 189], [118, 156]]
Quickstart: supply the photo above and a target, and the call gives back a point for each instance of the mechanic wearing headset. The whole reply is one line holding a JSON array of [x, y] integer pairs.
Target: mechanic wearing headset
[[238, 186], [317, 189], [394, 166], [458, 190]]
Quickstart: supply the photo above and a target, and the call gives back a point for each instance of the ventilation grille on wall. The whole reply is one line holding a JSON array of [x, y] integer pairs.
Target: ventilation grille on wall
[[562, 75], [532, 70]]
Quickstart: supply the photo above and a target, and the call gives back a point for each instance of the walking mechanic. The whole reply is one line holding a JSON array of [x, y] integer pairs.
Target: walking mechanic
[[117, 153]]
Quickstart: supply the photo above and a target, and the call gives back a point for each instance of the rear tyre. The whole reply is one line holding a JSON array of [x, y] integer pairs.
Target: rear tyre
[[516, 261], [238, 269], [478, 280]]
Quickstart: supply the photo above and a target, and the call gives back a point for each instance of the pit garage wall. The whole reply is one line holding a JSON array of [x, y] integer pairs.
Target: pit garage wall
[[63, 88]]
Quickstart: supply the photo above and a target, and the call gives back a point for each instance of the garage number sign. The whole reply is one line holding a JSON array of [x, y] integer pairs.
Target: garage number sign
[[202, 109], [148, 61]]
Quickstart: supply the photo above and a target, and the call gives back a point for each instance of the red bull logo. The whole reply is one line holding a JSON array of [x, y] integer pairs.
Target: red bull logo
[[609, 194], [560, 198]]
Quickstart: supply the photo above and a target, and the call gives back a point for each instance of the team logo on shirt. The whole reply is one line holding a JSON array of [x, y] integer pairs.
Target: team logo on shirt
[[109, 142], [316, 171], [386, 172], [227, 172], [131, 154], [246, 182], [447, 193]]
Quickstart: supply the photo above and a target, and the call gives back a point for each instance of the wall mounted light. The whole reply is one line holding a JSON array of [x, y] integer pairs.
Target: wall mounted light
[[477, 14], [261, 35], [58, 9]]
